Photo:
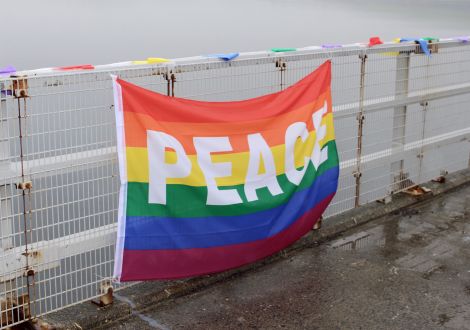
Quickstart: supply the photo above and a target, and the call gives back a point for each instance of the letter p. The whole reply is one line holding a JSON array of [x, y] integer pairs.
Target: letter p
[[159, 170]]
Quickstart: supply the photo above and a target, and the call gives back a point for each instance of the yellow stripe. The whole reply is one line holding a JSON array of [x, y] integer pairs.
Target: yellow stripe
[[137, 161]]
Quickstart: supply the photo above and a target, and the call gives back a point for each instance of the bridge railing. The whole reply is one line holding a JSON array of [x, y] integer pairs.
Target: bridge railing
[[401, 118]]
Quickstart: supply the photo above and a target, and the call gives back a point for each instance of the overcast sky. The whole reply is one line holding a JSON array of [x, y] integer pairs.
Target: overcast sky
[[56, 32]]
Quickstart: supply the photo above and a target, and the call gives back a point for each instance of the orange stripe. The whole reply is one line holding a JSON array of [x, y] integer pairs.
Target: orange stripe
[[136, 126], [174, 109]]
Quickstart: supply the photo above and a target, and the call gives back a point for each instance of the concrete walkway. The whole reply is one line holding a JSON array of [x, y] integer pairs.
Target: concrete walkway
[[409, 270]]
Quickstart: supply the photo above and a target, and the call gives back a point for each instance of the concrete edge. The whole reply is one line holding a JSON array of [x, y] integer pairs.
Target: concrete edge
[[146, 295]]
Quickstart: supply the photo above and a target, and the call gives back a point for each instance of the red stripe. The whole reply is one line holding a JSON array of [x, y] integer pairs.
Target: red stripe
[[173, 109], [171, 264]]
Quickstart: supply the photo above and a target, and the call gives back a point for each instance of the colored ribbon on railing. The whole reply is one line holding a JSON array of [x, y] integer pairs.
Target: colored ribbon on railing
[[76, 67], [431, 39], [225, 57], [7, 70], [373, 41], [463, 39], [330, 46], [283, 50], [423, 43], [151, 60]]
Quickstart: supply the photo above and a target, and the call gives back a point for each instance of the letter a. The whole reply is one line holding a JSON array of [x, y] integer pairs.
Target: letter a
[[259, 147], [159, 170]]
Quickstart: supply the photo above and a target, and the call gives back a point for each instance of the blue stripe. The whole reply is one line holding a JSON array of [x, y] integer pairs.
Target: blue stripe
[[159, 233]]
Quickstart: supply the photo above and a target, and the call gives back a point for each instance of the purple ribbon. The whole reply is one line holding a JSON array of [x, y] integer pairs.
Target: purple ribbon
[[463, 39], [329, 46], [7, 69]]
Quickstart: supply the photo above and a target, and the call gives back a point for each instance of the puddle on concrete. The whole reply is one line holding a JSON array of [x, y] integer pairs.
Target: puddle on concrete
[[360, 240], [415, 225], [413, 238]]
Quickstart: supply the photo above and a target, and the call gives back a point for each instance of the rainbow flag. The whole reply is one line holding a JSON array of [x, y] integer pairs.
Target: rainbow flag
[[209, 186]]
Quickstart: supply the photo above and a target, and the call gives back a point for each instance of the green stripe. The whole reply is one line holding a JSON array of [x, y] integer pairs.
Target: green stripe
[[186, 201]]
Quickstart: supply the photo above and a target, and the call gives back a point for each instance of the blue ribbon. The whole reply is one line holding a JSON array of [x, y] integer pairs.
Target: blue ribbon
[[423, 44], [225, 57]]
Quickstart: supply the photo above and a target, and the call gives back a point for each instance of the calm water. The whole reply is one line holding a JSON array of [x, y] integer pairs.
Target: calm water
[[56, 32]]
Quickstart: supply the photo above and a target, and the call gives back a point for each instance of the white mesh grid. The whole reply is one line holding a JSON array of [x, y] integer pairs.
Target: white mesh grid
[[416, 126]]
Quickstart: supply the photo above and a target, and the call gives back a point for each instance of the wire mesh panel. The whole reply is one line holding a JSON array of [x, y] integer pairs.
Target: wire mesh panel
[[75, 201], [226, 82], [14, 285], [446, 143], [63, 231], [401, 118]]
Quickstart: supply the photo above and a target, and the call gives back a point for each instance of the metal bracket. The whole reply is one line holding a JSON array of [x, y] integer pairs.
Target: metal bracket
[[281, 64], [441, 178], [29, 272], [32, 254], [363, 56], [170, 77], [357, 174], [106, 298], [417, 190], [24, 185], [20, 86], [360, 117], [433, 47]]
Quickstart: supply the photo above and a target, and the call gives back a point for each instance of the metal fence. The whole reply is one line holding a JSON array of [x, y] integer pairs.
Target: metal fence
[[401, 118]]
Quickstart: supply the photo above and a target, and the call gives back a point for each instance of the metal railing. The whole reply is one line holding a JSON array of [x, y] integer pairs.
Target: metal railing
[[401, 118]]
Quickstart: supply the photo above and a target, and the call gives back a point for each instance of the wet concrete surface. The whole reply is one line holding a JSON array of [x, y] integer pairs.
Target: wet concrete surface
[[408, 270]]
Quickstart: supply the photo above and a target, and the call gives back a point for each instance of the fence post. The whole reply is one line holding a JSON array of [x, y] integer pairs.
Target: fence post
[[424, 106], [399, 121], [360, 125], [282, 65], [170, 82], [8, 313], [20, 91]]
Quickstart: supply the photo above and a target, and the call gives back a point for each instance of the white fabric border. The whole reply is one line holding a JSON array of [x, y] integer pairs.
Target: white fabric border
[[121, 151]]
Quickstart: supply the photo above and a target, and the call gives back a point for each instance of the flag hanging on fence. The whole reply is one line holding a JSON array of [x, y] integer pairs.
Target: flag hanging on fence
[[209, 186]]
